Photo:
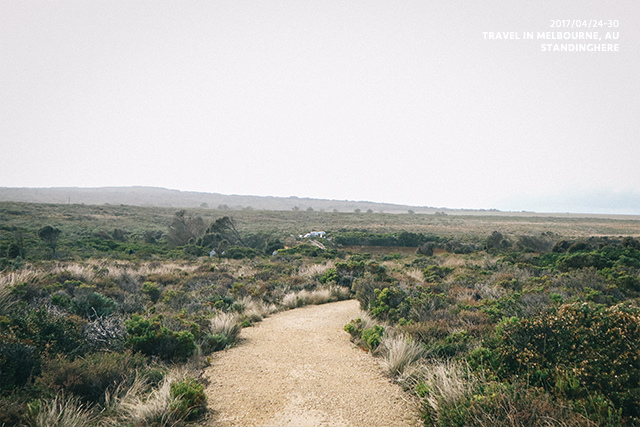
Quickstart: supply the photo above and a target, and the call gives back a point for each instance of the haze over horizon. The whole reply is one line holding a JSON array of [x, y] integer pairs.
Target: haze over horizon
[[401, 102]]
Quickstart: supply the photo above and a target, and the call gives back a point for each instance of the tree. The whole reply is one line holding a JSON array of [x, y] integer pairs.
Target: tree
[[17, 248], [184, 228], [495, 240], [225, 227], [50, 235]]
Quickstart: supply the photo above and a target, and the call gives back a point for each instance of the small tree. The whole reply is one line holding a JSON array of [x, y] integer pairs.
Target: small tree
[[225, 227], [50, 235], [183, 228], [495, 240]]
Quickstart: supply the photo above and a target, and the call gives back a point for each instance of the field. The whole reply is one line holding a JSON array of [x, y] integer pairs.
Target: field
[[109, 314]]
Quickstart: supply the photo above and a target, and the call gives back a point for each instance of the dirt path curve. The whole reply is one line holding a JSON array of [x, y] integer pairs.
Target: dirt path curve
[[298, 369]]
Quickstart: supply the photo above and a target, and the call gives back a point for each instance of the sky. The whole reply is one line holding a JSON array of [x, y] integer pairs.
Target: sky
[[399, 101]]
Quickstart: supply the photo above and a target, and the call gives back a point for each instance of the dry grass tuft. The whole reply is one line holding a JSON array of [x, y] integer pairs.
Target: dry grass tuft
[[61, 411], [448, 383], [7, 301], [302, 298], [255, 311], [399, 353], [226, 324], [310, 271], [415, 273], [290, 300], [156, 408]]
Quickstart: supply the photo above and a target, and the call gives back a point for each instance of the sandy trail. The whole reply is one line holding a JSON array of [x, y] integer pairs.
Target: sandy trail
[[298, 369]]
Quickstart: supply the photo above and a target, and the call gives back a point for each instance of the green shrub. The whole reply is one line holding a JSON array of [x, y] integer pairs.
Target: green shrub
[[151, 338], [89, 377], [47, 331], [372, 337], [331, 275], [389, 304], [19, 361], [190, 399], [213, 342], [579, 260], [582, 349], [88, 303], [152, 290], [435, 273]]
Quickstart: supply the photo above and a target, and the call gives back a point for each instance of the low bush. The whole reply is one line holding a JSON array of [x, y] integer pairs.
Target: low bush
[[19, 362], [190, 401], [151, 338], [213, 342], [90, 377], [582, 349], [372, 337]]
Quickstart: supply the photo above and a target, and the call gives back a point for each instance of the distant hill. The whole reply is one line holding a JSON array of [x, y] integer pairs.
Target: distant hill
[[162, 197]]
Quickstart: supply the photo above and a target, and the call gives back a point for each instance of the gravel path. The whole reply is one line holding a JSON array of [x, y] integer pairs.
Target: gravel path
[[298, 369]]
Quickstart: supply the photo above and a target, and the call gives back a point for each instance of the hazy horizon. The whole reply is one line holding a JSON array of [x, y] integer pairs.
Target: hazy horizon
[[405, 102]]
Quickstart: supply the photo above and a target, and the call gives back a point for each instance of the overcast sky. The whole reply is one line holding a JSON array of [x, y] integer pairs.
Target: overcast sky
[[392, 101]]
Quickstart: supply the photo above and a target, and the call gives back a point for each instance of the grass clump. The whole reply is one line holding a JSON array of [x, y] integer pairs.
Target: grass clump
[[399, 353], [177, 398], [227, 325], [61, 411]]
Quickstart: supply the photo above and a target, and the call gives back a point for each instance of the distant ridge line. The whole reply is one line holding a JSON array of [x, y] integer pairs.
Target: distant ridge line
[[168, 198]]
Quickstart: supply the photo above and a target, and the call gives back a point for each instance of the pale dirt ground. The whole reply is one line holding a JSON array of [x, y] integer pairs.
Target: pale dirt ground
[[299, 369]]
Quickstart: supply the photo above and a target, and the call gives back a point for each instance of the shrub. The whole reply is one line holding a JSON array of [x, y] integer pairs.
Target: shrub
[[213, 342], [389, 304], [90, 377], [356, 327], [19, 361], [88, 303], [372, 337], [190, 401], [49, 331], [152, 290], [151, 338], [579, 260], [580, 350]]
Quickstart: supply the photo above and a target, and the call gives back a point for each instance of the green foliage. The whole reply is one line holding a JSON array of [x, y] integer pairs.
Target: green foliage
[[583, 260], [19, 361], [582, 349], [49, 332], [50, 235], [435, 273], [214, 342], [389, 304], [405, 238], [372, 337], [331, 275], [89, 377], [88, 303], [190, 399], [152, 290], [237, 252], [150, 337]]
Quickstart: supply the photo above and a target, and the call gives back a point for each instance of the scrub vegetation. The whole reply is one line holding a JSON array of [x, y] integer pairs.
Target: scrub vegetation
[[108, 314]]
